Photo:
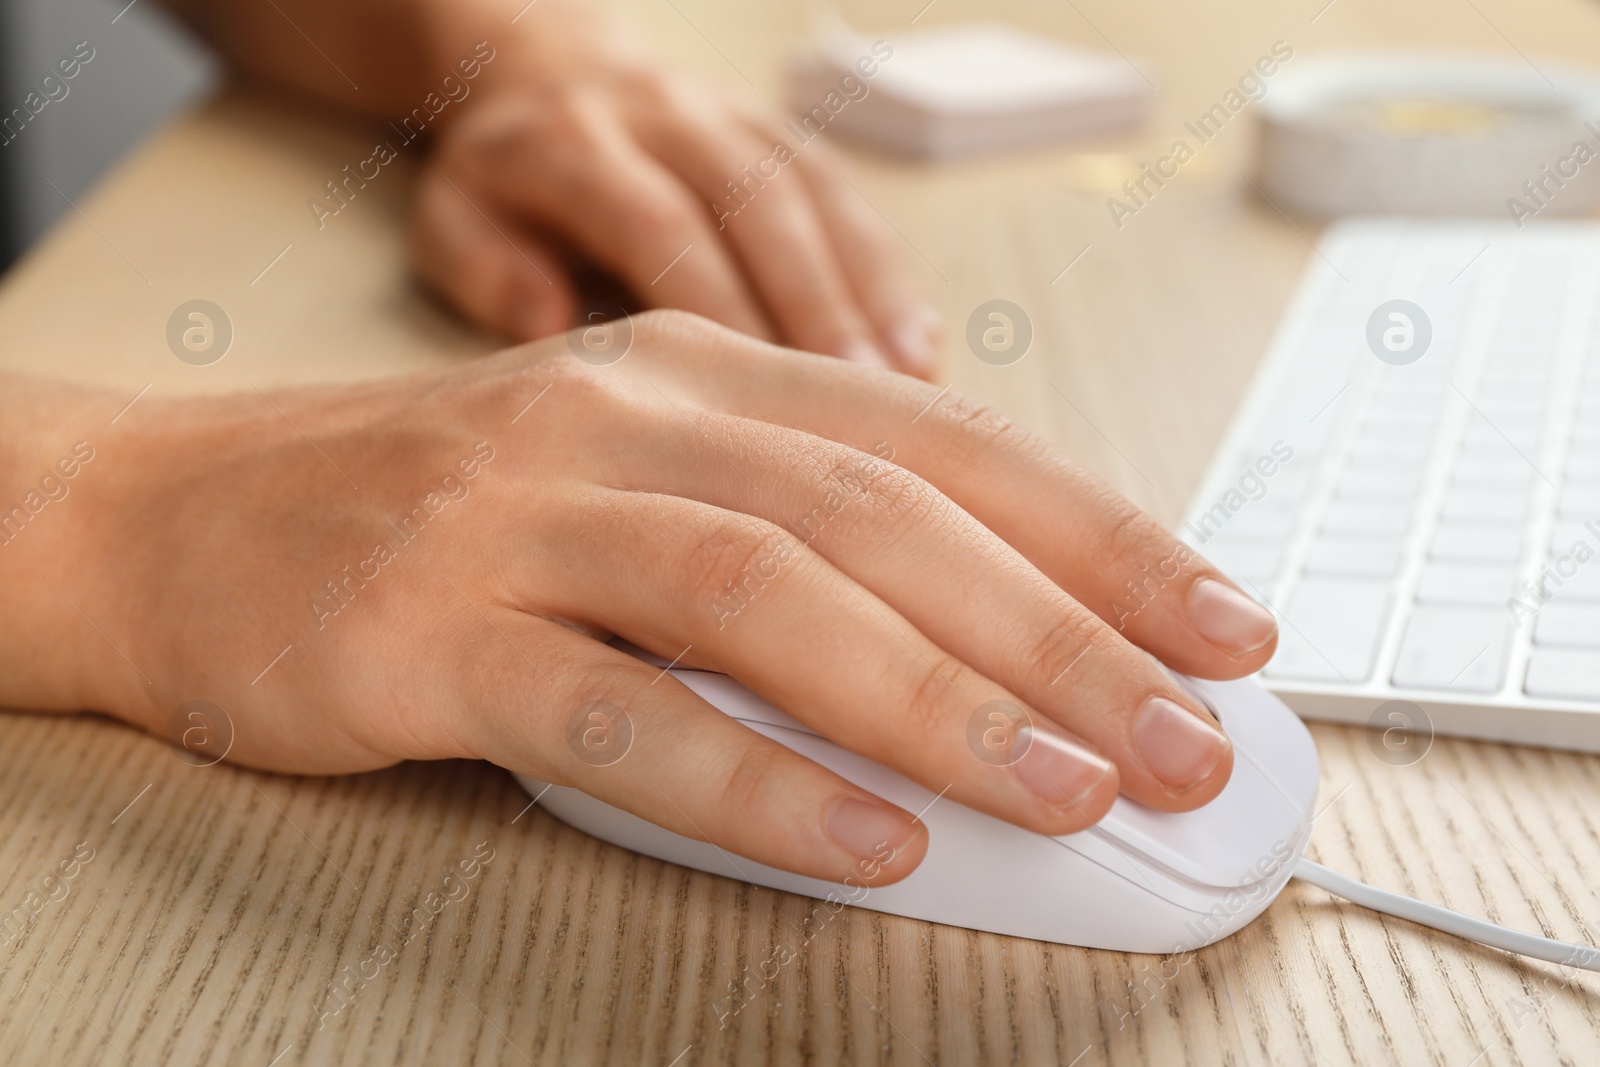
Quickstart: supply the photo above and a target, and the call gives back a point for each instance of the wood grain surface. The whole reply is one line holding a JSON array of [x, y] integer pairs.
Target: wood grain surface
[[211, 912]]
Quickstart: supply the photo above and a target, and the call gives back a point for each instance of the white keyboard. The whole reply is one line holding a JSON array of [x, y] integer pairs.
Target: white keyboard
[[1427, 528]]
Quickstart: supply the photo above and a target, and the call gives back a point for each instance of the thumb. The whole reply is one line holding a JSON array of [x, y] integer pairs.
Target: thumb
[[485, 263]]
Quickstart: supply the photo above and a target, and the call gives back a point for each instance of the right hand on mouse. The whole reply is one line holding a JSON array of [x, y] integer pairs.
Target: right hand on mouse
[[444, 555]]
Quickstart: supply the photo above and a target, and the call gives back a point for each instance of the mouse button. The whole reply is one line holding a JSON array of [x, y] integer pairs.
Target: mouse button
[[1263, 729], [1139, 873], [1240, 838], [733, 699]]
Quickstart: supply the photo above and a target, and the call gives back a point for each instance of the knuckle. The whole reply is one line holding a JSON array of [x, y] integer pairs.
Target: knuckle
[[842, 465], [662, 215], [855, 489], [748, 785], [663, 325], [737, 557], [571, 376], [602, 679], [1060, 646], [588, 396], [898, 499], [928, 705], [568, 116], [654, 83], [668, 92], [970, 428], [1130, 535], [687, 339], [505, 133]]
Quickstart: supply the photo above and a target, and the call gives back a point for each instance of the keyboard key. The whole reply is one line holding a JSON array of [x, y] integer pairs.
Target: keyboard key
[[1370, 450], [1477, 505], [1567, 534], [1576, 625], [1539, 352], [1582, 584], [1331, 630], [1461, 649], [1371, 482], [1263, 520], [1528, 388], [1492, 449], [1367, 519], [1505, 410], [1564, 674], [1522, 437], [1397, 427], [1291, 478], [1254, 521], [1466, 584], [1508, 474], [1476, 542], [1404, 397], [1245, 560], [1582, 466], [1356, 557], [1580, 501]]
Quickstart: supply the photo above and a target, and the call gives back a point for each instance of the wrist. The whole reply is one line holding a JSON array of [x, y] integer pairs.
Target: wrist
[[95, 582], [551, 44], [52, 438]]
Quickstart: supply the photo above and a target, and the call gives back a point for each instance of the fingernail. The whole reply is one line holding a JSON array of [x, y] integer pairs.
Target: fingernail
[[1061, 772], [1179, 748], [1226, 617], [855, 350], [869, 831]]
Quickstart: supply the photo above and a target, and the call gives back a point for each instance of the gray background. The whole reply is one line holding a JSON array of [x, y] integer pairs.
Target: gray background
[[145, 68]]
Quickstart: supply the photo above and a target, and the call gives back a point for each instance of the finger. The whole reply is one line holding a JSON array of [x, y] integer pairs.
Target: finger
[[765, 215], [889, 531], [495, 272], [872, 258], [755, 604], [1084, 536], [564, 708], [570, 167]]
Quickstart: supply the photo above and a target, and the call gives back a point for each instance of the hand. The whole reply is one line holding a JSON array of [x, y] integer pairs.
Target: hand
[[575, 143], [446, 554]]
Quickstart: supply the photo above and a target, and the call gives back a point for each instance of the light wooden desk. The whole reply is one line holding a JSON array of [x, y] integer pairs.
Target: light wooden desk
[[220, 903]]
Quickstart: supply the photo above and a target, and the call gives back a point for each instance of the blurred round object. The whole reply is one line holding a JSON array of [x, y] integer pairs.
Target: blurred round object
[[1420, 134]]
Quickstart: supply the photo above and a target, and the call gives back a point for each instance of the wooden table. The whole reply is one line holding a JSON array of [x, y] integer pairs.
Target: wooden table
[[220, 904]]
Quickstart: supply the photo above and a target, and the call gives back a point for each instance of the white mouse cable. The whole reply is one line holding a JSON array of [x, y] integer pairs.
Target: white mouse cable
[[1451, 922]]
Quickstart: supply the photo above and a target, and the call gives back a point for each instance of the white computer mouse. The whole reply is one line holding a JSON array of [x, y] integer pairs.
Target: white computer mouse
[[1138, 881]]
